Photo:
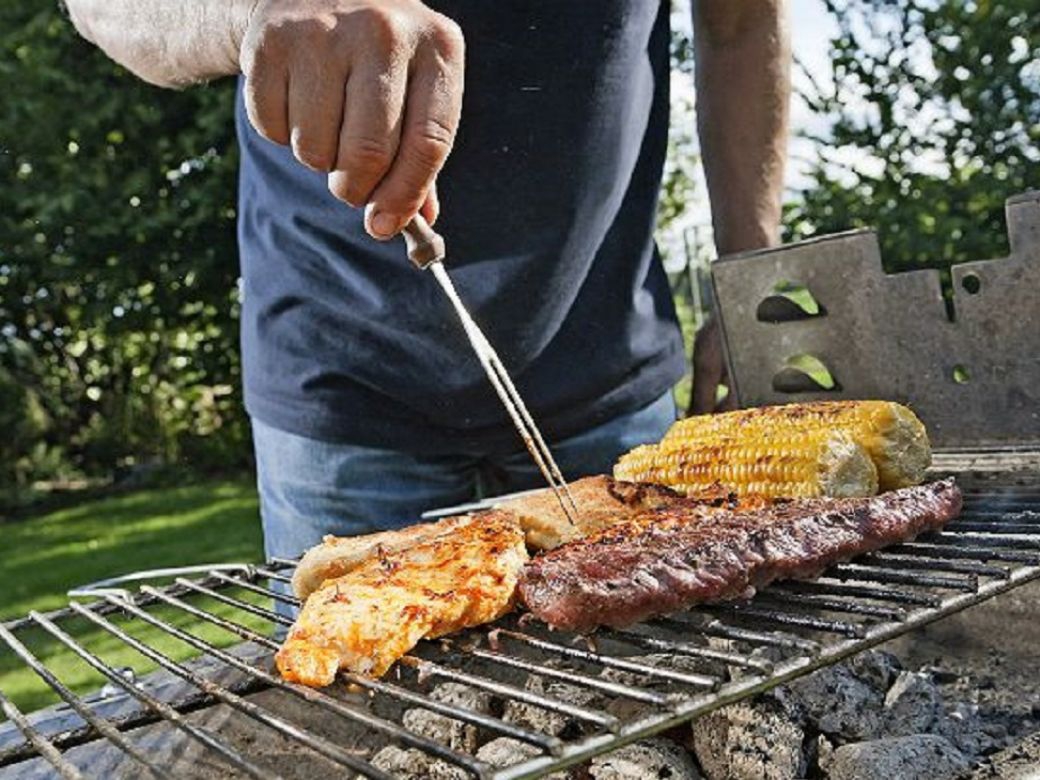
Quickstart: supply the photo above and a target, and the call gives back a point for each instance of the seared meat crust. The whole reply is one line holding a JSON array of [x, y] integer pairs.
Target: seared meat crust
[[685, 553], [366, 619], [338, 555]]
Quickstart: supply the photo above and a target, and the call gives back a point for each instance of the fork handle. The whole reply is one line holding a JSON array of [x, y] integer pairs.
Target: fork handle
[[425, 245]]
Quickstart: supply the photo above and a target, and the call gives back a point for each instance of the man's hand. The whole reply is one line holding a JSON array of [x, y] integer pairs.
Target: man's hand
[[368, 91], [709, 371]]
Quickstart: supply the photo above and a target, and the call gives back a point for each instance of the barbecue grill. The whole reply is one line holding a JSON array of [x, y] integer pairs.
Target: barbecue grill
[[226, 713]]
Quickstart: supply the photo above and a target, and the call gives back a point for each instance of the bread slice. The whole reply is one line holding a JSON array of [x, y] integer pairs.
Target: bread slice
[[602, 501]]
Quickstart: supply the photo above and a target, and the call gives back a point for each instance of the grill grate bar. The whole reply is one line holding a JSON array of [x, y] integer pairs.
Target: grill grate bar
[[993, 526], [788, 619], [240, 583], [38, 741], [284, 562], [606, 686], [99, 724], [158, 706], [833, 604], [238, 629], [1028, 516], [551, 744], [501, 726], [231, 601], [313, 696], [548, 743], [874, 574], [283, 727], [429, 669], [717, 628], [696, 680], [685, 648], [269, 574], [899, 561], [826, 586], [1015, 541], [974, 552]]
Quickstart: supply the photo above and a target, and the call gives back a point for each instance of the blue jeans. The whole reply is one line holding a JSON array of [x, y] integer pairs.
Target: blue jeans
[[310, 488]]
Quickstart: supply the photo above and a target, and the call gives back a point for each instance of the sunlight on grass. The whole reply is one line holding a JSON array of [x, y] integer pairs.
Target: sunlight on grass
[[800, 296], [48, 555], [814, 368]]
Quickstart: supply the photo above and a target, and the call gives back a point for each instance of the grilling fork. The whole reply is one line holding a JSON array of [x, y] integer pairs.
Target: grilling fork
[[426, 250]]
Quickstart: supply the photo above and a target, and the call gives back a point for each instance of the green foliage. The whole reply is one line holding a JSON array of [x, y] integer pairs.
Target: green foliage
[[934, 122], [213, 522], [118, 264], [678, 189]]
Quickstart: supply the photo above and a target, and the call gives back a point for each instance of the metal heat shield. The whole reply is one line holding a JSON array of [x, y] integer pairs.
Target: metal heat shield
[[969, 365]]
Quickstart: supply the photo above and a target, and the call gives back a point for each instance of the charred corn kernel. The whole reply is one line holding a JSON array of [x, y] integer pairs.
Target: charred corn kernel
[[815, 462], [892, 434]]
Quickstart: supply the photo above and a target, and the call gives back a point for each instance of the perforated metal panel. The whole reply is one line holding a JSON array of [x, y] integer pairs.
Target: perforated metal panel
[[974, 380]]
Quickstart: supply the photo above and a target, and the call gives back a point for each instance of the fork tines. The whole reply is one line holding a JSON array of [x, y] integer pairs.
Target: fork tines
[[510, 398]]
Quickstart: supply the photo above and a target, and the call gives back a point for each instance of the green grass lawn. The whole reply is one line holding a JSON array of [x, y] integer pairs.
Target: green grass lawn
[[45, 556]]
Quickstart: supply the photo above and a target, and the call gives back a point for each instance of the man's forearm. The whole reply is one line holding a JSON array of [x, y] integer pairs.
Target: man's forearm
[[743, 89], [171, 43]]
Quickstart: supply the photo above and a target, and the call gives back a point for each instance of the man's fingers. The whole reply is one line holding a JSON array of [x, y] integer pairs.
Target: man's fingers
[[706, 378], [431, 209], [266, 100], [315, 113], [430, 120], [709, 369], [371, 128]]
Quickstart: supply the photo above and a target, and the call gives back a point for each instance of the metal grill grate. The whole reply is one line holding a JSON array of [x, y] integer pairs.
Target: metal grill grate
[[615, 689]]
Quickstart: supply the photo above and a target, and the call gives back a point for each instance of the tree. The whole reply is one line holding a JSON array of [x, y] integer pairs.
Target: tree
[[934, 121], [118, 263]]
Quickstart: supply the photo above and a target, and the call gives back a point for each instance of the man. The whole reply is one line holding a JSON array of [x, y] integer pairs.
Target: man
[[367, 404]]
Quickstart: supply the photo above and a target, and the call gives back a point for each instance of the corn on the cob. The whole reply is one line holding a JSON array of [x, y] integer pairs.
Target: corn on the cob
[[892, 434], [809, 463]]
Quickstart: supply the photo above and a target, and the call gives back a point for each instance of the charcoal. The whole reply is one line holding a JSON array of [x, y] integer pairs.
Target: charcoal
[[822, 750], [1018, 761], [995, 730], [547, 721], [456, 734], [646, 760], [941, 675], [920, 756], [840, 704], [761, 739], [913, 705], [876, 668], [413, 764], [506, 751], [672, 662], [964, 728]]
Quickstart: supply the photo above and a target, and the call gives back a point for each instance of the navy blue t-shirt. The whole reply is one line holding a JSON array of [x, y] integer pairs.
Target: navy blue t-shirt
[[548, 205]]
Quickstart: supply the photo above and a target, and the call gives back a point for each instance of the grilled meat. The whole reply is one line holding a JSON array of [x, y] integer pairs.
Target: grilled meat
[[683, 554], [338, 555], [368, 618], [602, 501]]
